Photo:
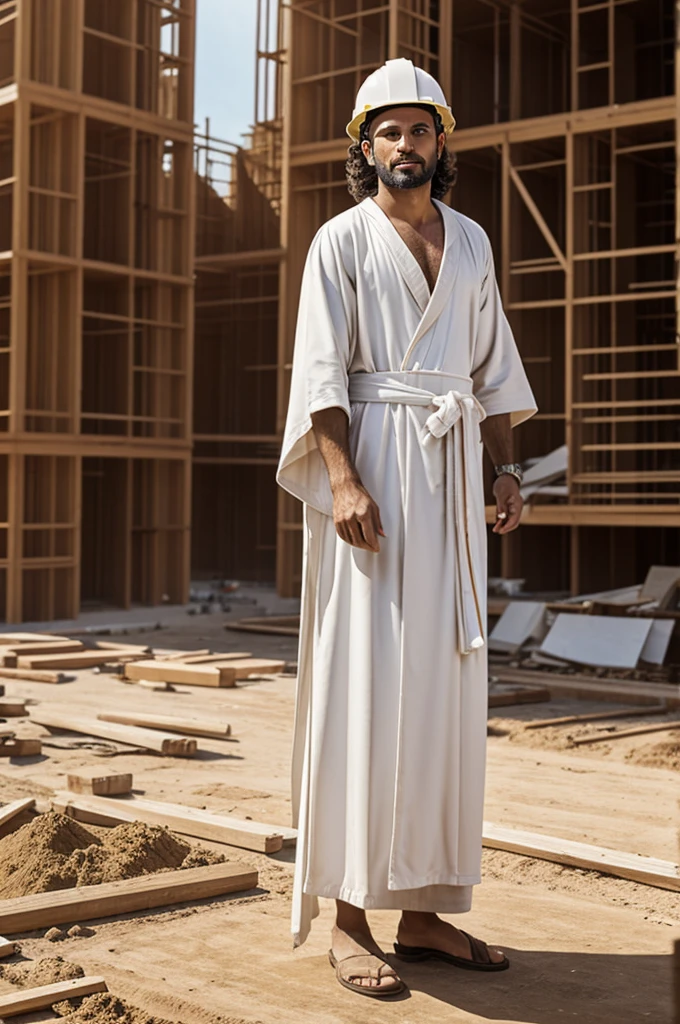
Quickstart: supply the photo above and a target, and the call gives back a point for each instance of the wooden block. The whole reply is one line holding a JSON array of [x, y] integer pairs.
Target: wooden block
[[32, 677], [28, 999], [13, 709], [213, 659], [88, 902], [109, 645], [20, 748], [7, 948], [187, 821], [174, 672], [13, 810], [190, 726], [526, 695], [240, 627], [648, 870], [82, 659], [170, 745], [99, 782]]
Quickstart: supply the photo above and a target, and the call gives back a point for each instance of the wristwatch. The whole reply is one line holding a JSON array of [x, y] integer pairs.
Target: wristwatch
[[512, 469]]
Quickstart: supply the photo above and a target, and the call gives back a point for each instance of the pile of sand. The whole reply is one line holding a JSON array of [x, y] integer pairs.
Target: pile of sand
[[54, 852], [33, 973], [104, 1008], [657, 755]]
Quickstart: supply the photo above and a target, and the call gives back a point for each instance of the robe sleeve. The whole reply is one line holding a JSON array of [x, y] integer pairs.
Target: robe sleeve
[[323, 350], [499, 380]]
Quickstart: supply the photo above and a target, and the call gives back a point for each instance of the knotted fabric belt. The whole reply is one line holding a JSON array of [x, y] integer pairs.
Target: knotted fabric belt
[[455, 418]]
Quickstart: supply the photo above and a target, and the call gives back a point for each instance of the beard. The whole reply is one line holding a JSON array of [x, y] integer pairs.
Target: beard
[[409, 177]]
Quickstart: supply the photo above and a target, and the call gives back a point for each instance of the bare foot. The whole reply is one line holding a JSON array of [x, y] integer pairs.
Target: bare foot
[[430, 931], [362, 944]]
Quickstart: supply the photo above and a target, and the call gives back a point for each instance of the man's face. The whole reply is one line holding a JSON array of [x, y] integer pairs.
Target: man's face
[[404, 147]]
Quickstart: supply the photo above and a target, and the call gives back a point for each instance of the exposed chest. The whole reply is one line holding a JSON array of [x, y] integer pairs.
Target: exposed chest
[[427, 247]]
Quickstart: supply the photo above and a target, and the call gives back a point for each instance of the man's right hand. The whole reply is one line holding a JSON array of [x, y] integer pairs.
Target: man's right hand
[[356, 516]]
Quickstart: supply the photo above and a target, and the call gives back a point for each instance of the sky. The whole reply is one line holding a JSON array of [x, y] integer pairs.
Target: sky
[[225, 66]]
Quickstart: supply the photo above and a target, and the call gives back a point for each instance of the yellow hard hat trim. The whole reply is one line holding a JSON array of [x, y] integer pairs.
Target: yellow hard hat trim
[[354, 127]]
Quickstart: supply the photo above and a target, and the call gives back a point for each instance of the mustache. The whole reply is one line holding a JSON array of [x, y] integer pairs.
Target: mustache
[[409, 160]]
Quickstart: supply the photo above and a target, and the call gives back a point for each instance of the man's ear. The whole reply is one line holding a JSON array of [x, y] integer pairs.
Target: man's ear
[[367, 150], [441, 142]]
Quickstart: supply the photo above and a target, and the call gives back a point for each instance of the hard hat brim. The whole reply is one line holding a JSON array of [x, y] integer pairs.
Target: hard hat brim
[[354, 127]]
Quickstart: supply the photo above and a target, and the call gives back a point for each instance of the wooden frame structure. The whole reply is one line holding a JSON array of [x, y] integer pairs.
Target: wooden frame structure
[[96, 323], [568, 144], [238, 257]]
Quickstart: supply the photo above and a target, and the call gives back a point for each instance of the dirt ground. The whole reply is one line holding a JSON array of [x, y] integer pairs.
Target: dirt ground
[[582, 946]]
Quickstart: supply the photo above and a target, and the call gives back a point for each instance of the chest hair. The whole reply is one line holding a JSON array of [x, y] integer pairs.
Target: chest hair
[[427, 248]]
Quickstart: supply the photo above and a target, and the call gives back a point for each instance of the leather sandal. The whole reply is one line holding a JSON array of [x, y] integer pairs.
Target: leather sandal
[[345, 974], [479, 960]]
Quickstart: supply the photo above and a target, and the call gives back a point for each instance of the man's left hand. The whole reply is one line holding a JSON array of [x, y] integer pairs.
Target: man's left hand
[[509, 503]]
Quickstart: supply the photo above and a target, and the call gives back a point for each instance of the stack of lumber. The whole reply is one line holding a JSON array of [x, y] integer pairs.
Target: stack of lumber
[[187, 821], [223, 670]]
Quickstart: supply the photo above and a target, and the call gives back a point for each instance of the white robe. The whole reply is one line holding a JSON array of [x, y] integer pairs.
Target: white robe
[[390, 733]]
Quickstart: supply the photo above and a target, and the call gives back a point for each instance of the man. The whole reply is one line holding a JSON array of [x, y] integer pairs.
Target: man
[[404, 363]]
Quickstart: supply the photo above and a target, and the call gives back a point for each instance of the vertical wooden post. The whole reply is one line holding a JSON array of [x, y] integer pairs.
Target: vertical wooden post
[[515, 62], [393, 30]]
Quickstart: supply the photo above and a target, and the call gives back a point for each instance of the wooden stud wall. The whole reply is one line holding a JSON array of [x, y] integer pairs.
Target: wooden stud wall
[[567, 147], [96, 289], [238, 256]]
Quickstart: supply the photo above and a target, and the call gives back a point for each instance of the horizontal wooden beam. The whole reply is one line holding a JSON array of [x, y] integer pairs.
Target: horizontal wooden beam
[[87, 902], [30, 1000], [595, 515], [648, 870]]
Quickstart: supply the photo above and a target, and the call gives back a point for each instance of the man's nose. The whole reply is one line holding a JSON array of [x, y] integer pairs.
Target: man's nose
[[405, 144]]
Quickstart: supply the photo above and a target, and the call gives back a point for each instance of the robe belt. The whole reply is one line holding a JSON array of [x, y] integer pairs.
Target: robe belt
[[456, 408]]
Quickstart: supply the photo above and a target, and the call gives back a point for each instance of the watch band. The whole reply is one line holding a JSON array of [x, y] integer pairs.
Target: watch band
[[512, 469]]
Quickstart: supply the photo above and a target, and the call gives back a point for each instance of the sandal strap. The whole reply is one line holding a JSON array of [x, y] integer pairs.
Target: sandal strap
[[375, 973], [479, 951]]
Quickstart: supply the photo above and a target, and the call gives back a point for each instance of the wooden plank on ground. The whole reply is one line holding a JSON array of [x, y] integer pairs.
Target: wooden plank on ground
[[639, 730], [27, 1000], [54, 646], [7, 948], [246, 667], [170, 745], [88, 902], [99, 782], [28, 638], [596, 716], [173, 672], [181, 655], [171, 723], [20, 748], [525, 695], [82, 659], [17, 807], [648, 870], [209, 659], [32, 677], [240, 627], [13, 709], [618, 691], [187, 821]]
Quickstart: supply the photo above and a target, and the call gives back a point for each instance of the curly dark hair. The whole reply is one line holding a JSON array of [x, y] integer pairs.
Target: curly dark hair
[[362, 178]]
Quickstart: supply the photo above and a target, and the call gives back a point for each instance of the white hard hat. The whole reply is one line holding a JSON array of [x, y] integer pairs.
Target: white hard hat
[[398, 83]]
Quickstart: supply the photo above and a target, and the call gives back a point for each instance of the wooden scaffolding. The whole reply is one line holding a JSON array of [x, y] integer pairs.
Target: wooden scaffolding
[[96, 320], [238, 256], [567, 144]]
